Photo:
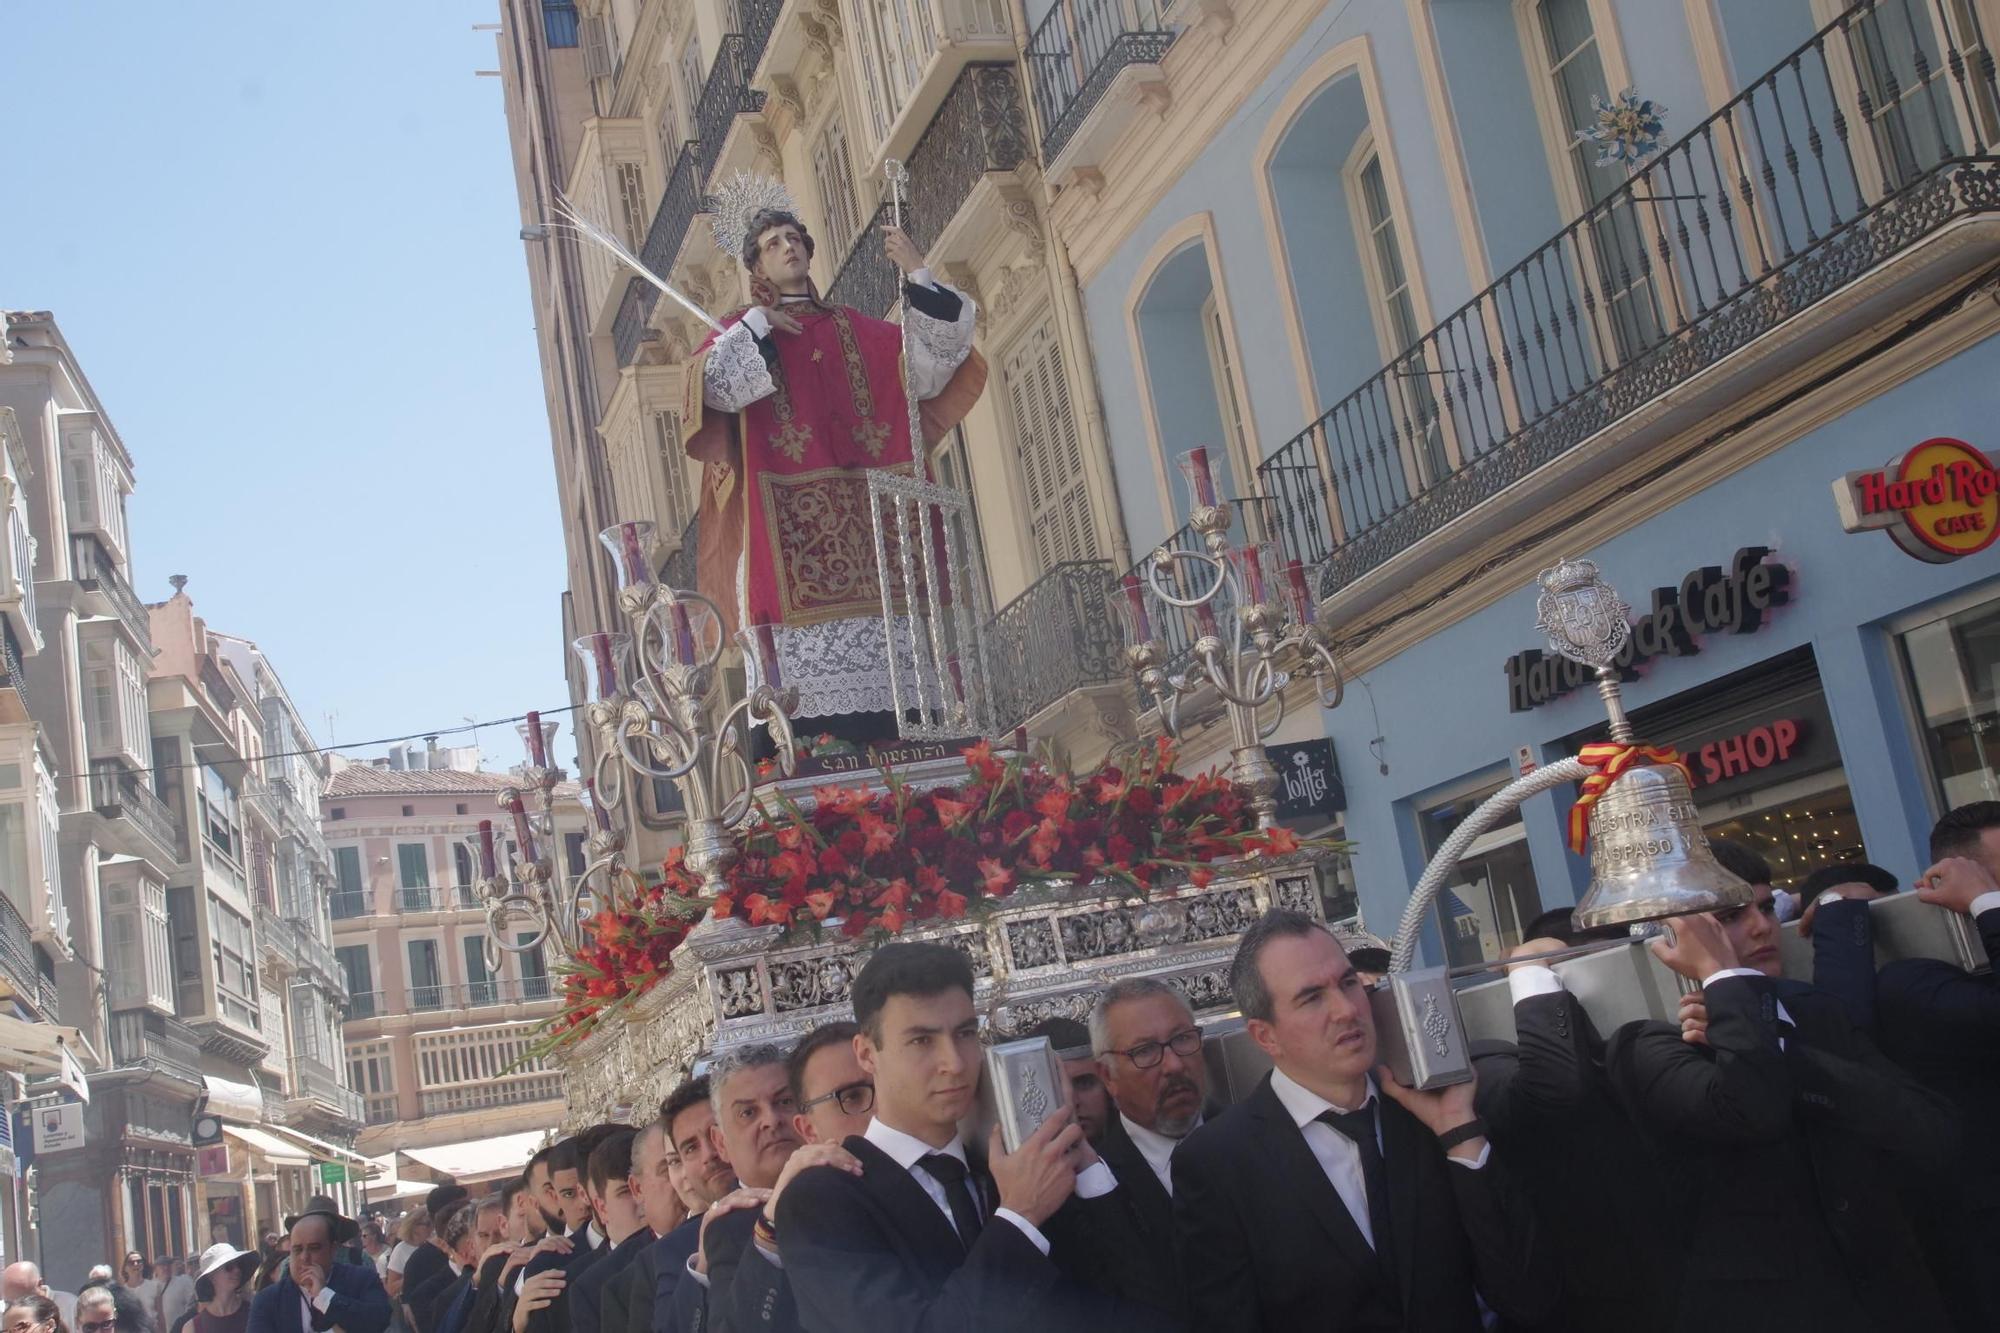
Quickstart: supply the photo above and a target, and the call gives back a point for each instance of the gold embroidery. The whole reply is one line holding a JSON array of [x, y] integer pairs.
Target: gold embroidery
[[823, 546], [791, 440], [872, 436], [792, 436], [819, 354], [857, 370]]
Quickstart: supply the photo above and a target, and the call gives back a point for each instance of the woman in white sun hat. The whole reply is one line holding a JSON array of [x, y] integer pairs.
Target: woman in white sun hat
[[221, 1292]]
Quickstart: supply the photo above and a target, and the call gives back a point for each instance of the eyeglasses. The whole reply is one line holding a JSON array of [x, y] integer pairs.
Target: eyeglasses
[[98, 1325], [854, 1099], [1149, 1053]]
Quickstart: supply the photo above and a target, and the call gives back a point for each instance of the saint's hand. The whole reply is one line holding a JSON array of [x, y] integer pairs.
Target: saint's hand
[[901, 250], [780, 321]]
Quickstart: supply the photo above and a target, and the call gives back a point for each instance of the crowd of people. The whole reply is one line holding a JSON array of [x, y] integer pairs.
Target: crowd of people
[[1785, 1156]]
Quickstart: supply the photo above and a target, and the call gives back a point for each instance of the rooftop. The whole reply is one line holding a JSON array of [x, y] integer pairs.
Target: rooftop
[[367, 780]]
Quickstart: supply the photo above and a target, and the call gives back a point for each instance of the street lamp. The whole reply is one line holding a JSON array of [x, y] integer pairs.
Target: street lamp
[[1274, 636]]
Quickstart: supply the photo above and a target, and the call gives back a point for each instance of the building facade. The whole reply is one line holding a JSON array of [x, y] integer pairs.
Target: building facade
[[127, 857], [437, 1038], [1434, 336]]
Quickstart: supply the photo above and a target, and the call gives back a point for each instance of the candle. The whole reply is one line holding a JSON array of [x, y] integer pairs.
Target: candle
[[486, 849], [1204, 616], [767, 657], [635, 554], [1295, 576], [524, 833], [683, 636], [537, 749], [607, 670], [597, 805], [1135, 597], [1253, 572], [1204, 480]]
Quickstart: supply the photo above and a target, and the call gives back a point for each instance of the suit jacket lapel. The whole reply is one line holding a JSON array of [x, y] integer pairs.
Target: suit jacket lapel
[[1404, 1143], [920, 1222], [1151, 1201], [1299, 1171]]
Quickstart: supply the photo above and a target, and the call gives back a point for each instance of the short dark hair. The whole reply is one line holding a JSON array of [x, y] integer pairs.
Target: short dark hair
[[840, 1032], [691, 1093], [1739, 860], [906, 969], [611, 1159], [1369, 958], [1065, 1034], [1846, 872], [1957, 834], [1246, 983], [762, 221], [512, 1188], [586, 1142], [564, 1156], [444, 1196]]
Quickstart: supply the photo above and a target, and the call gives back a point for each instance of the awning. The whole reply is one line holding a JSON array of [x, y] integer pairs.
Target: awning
[[30, 1048], [476, 1159], [234, 1101], [322, 1150], [268, 1146]]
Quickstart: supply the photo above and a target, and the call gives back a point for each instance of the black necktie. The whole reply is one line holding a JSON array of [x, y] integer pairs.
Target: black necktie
[[949, 1172], [1360, 1127]]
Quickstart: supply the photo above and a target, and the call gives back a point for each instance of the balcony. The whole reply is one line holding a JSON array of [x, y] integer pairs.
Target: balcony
[[18, 964], [345, 905], [317, 1090], [1800, 204], [420, 898], [679, 204], [141, 1040], [1079, 52], [379, 1108], [17, 569], [122, 796], [469, 1069], [726, 95], [97, 573], [1054, 640], [866, 280]]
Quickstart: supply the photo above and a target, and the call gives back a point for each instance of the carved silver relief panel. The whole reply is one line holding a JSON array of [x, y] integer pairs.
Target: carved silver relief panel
[[1032, 943], [739, 992]]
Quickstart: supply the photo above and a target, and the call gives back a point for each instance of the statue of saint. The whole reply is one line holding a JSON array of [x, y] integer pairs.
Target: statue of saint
[[788, 408]]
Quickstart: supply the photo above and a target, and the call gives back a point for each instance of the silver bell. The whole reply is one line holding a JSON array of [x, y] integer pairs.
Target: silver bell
[[1649, 858]]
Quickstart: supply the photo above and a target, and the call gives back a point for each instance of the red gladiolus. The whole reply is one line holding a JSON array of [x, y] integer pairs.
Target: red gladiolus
[[1054, 804], [951, 905], [1279, 841], [951, 813], [766, 910], [821, 904], [995, 880], [979, 758]]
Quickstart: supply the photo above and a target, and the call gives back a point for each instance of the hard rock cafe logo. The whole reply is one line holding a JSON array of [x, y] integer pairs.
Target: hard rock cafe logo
[[1939, 501]]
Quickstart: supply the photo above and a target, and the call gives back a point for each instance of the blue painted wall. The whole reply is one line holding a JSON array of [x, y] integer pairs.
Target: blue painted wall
[[1441, 707]]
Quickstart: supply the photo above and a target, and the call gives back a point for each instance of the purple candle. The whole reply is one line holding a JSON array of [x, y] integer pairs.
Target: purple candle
[[524, 833], [683, 636], [1253, 572], [635, 554], [1135, 596], [596, 805], [1204, 480], [486, 849], [767, 657], [607, 670], [1295, 577], [537, 749]]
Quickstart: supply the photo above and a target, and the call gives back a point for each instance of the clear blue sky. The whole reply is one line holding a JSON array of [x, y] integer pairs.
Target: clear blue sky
[[282, 240]]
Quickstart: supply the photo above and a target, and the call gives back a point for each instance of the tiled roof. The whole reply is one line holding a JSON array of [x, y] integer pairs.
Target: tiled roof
[[367, 780]]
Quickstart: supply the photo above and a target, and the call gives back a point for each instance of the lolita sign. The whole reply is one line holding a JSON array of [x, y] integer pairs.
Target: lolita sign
[[1710, 600], [1939, 501]]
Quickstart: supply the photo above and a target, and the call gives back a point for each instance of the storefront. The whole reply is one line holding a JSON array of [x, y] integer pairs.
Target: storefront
[[1834, 691]]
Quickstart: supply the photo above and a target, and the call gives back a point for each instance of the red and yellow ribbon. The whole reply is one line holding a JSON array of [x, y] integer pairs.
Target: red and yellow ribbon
[[1610, 760]]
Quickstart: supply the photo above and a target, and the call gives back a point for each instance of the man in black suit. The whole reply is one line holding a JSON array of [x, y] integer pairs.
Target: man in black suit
[[704, 1176], [1148, 1049], [1593, 1183], [1316, 1202], [661, 1209], [431, 1257], [833, 1093], [1788, 1136], [608, 1176], [493, 1304], [565, 1190], [921, 1238], [475, 1226]]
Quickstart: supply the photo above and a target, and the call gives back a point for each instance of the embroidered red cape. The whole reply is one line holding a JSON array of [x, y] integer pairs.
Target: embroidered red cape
[[785, 480]]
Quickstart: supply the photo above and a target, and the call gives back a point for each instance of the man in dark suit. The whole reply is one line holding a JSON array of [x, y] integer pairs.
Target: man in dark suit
[[921, 1237], [565, 1191], [609, 1177], [703, 1175], [661, 1210], [1781, 1123], [450, 1228], [431, 1257], [1148, 1050], [477, 1228], [498, 1262], [1593, 1183], [1335, 1198], [315, 1294]]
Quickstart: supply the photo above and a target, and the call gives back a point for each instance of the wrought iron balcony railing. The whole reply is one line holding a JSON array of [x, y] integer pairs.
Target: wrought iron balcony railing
[[95, 571], [343, 906], [759, 18], [420, 898], [1055, 638], [866, 280], [980, 127], [726, 95], [1855, 147], [679, 204], [10, 659], [17, 960], [362, 1005], [1078, 49], [119, 793]]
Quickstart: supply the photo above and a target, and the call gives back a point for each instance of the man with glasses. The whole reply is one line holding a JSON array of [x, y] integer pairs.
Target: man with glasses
[[1149, 1051], [835, 1097]]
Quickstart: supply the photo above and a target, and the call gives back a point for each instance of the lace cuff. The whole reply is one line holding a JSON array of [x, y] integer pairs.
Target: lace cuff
[[937, 347], [733, 374]]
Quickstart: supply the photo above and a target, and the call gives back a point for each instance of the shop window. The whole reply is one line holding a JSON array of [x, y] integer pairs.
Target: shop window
[[1492, 894], [1954, 671]]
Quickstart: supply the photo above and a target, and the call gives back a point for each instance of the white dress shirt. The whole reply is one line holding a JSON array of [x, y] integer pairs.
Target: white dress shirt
[[1984, 903], [1156, 1148], [1337, 1154], [319, 1302], [906, 1150]]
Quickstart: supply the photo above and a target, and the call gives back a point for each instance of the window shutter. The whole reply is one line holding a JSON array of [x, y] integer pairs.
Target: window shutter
[[673, 467], [1051, 456], [596, 48], [632, 204], [833, 173]]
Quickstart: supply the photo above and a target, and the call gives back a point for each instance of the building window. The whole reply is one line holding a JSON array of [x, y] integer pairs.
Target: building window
[[534, 971], [1953, 665], [833, 174], [359, 972], [461, 866], [673, 471], [896, 41], [221, 827], [461, 808], [1394, 311], [631, 178], [413, 875], [692, 71], [950, 467], [1050, 456], [559, 22], [409, 811], [350, 896], [480, 987], [235, 959], [426, 978], [337, 812], [115, 695], [14, 854], [1491, 894]]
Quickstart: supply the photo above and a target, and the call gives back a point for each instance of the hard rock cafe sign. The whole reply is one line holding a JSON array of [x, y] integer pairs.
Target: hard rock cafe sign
[[1939, 501]]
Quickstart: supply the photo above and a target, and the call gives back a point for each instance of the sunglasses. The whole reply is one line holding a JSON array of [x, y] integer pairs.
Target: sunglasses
[[98, 1325]]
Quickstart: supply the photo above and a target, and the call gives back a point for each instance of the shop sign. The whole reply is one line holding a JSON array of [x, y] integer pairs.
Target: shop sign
[[1709, 600], [1939, 502], [58, 1128], [332, 1173], [1308, 779], [1759, 748]]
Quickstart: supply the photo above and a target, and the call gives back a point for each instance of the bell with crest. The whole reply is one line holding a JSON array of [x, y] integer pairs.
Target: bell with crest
[[1649, 857]]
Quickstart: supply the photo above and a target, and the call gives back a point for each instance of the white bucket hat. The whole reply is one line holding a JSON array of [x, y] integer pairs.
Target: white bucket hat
[[221, 1255]]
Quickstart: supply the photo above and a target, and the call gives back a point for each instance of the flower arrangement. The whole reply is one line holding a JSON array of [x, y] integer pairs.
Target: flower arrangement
[[1626, 128], [822, 746], [880, 860]]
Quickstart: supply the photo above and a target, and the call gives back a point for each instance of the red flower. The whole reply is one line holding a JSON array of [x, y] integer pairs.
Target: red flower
[[876, 835], [1015, 823], [951, 904], [1278, 841], [821, 904], [995, 880], [951, 813], [1142, 800], [1054, 804], [979, 758], [765, 910]]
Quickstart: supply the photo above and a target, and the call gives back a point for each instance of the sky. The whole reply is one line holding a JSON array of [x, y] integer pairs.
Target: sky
[[282, 240]]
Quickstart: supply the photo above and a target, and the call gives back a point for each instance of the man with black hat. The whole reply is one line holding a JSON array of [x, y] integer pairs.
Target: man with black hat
[[316, 1294]]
